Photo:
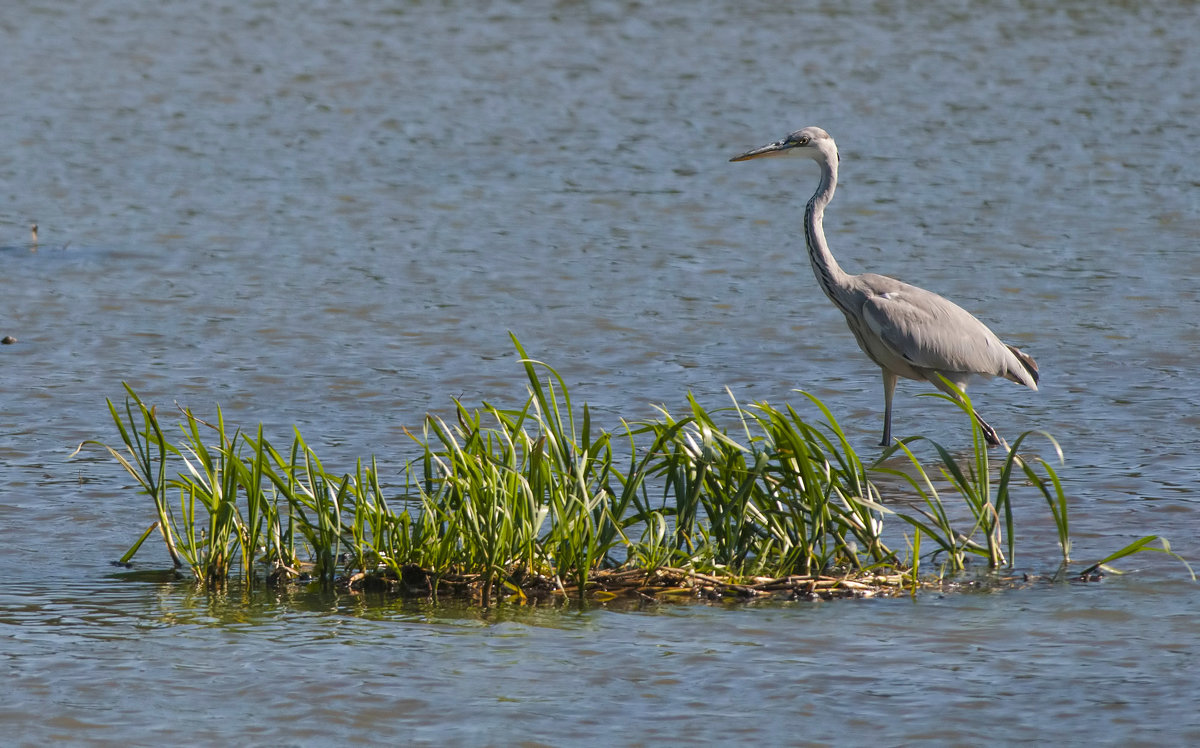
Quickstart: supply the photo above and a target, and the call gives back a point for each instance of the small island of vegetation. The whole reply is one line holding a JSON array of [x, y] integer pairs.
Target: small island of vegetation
[[536, 503]]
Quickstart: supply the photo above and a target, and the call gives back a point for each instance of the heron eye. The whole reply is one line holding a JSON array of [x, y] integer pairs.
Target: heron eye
[[802, 140]]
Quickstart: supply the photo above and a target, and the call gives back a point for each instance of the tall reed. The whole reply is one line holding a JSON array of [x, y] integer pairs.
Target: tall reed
[[506, 496]]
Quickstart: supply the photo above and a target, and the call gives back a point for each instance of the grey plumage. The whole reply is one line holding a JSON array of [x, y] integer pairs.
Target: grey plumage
[[908, 331]]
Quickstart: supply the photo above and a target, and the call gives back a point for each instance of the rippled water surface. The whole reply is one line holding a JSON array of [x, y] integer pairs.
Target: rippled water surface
[[331, 215]]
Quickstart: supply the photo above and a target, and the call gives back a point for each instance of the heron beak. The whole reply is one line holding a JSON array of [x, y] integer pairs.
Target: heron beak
[[771, 149]]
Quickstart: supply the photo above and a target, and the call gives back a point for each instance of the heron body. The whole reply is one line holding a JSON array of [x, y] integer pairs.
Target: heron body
[[908, 331]]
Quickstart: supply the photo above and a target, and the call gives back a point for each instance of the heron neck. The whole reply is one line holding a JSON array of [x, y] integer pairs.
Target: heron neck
[[829, 274]]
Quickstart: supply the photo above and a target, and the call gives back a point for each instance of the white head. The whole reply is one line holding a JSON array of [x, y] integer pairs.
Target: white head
[[812, 142]]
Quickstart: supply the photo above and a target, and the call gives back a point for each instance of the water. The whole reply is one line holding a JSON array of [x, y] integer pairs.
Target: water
[[331, 215]]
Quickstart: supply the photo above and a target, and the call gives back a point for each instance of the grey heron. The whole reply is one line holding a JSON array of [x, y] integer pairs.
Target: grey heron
[[908, 331]]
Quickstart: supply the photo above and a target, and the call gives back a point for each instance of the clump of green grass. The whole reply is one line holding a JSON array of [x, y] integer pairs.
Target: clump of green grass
[[985, 494], [506, 501], [788, 498]]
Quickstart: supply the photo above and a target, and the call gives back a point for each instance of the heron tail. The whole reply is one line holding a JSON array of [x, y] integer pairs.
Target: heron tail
[[1030, 366]]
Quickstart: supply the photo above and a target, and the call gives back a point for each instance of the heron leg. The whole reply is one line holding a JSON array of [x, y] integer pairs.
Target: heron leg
[[889, 389], [955, 389]]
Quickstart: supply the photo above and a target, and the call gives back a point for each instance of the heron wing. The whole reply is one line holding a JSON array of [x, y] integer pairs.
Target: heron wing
[[932, 332]]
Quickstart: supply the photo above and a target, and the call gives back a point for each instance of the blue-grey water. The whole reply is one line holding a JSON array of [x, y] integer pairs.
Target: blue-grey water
[[330, 215]]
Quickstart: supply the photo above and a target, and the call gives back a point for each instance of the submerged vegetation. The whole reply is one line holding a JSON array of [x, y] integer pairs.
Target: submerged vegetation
[[537, 501]]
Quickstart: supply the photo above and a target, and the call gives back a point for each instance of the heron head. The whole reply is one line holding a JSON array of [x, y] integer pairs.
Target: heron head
[[812, 142]]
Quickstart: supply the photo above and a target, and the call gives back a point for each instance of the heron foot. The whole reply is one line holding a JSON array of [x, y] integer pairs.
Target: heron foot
[[989, 434]]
